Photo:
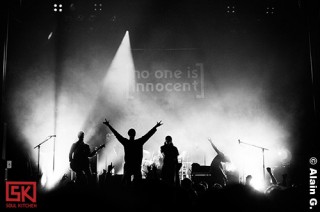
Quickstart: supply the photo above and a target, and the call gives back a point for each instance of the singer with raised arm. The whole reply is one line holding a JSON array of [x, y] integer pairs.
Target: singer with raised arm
[[133, 151], [217, 171]]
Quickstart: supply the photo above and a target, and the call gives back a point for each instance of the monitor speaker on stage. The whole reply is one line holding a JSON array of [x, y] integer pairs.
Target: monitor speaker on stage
[[200, 173]]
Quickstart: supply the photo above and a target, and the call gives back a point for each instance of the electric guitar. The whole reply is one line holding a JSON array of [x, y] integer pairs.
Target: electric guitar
[[97, 149]]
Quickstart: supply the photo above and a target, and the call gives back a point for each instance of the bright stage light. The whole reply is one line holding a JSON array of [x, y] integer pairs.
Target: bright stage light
[[258, 184], [285, 156], [57, 7], [97, 7], [230, 167], [120, 76], [230, 9], [270, 10]]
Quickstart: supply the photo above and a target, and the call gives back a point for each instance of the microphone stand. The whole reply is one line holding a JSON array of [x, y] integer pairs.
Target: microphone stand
[[38, 146], [262, 149]]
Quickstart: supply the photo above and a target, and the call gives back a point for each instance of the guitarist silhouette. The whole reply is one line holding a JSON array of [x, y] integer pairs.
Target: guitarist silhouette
[[79, 159]]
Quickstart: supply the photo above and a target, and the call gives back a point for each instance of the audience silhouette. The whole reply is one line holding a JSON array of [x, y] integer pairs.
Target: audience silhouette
[[133, 151]]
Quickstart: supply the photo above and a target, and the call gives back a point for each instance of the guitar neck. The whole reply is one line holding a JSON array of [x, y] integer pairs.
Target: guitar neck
[[96, 150]]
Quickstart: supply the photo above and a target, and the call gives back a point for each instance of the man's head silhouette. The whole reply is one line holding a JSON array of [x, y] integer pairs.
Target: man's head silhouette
[[81, 135], [168, 139], [132, 133], [248, 179]]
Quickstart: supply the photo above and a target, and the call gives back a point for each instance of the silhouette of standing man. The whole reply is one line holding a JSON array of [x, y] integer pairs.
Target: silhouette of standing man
[[79, 159], [133, 151], [217, 172], [169, 173]]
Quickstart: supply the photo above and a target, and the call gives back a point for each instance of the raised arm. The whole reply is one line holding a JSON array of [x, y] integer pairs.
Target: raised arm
[[115, 132], [274, 180], [214, 146], [158, 124], [146, 137], [94, 152]]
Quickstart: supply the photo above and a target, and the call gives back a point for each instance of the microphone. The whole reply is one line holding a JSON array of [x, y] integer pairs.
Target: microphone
[[52, 135]]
